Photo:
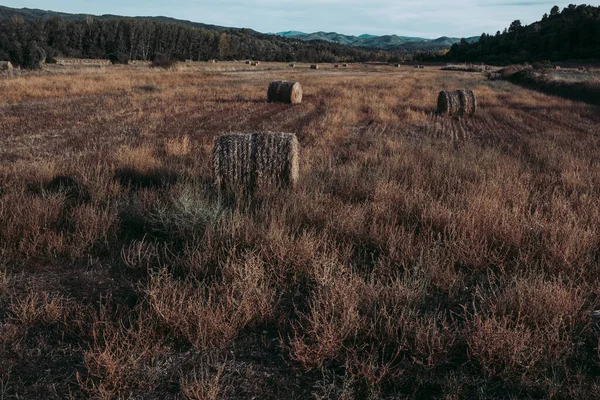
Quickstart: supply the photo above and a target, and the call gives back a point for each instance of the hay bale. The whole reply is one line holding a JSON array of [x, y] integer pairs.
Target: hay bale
[[247, 161], [345, 65], [248, 62], [336, 66], [468, 102], [397, 65], [314, 66], [285, 92], [212, 61], [457, 102], [6, 66], [276, 159], [292, 65]]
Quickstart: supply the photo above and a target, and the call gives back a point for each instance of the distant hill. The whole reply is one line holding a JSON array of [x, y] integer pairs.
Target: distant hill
[[29, 14], [28, 31], [386, 42], [570, 34]]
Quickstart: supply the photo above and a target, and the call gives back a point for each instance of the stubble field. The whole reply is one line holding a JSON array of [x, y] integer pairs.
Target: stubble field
[[420, 256]]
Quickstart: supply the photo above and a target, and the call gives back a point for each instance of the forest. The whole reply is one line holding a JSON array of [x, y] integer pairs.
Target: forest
[[23, 37], [570, 34]]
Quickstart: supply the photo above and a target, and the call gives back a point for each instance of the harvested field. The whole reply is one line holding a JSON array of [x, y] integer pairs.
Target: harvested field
[[418, 255]]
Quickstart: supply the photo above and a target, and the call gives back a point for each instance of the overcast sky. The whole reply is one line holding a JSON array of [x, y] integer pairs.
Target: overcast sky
[[425, 18]]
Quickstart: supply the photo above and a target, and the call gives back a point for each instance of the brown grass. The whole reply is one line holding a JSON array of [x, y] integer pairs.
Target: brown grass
[[418, 256]]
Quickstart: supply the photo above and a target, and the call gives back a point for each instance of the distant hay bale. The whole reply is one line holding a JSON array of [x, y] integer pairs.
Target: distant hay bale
[[292, 65], [257, 63], [212, 61], [345, 65], [251, 160], [248, 62], [6, 66], [397, 65], [285, 92], [314, 66], [253, 64], [457, 102], [421, 66], [336, 66]]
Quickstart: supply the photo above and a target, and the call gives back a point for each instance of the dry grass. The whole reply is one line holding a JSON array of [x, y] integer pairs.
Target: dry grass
[[417, 256]]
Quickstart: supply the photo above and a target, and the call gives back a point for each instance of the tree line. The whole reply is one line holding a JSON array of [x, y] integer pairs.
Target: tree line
[[570, 34], [145, 39]]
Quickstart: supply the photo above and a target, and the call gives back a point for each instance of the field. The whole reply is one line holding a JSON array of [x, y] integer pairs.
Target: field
[[420, 256]]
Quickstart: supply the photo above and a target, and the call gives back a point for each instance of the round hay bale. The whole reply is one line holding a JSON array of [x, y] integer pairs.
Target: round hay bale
[[314, 66], [285, 92], [397, 65], [457, 102], [248, 62], [292, 65], [345, 65], [6, 66], [468, 102]]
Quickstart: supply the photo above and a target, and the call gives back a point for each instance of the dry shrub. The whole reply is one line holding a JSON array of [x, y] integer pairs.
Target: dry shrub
[[30, 225], [186, 214], [38, 308], [541, 303], [333, 318], [73, 188], [178, 147], [206, 382], [285, 92], [457, 102], [247, 161], [211, 316], [501, 347], [126, 354], [137, 158]]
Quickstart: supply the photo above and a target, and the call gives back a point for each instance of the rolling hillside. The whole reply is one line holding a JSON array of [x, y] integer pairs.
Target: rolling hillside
[[386, 42]]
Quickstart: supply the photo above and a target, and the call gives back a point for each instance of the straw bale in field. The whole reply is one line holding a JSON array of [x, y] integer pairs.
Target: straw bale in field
[[246, 161], [292, 65], [468, 102], [6, 66], [285, 92], [345, 65], [314, 66], [457, 102]]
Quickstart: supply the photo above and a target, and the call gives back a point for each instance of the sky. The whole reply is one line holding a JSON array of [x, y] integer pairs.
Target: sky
[[422, 18]]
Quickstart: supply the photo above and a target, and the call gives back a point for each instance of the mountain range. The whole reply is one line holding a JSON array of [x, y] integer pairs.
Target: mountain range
[[403, 44], [386, 42]]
